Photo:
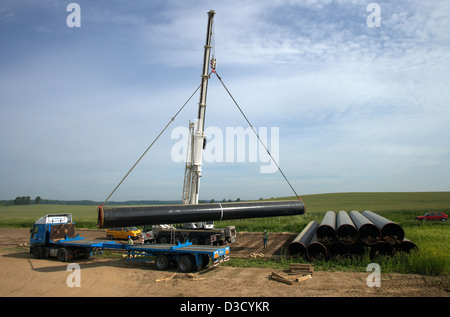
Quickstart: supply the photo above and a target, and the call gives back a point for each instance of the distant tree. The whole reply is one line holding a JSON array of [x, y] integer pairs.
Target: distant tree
[[38, 200], [19, 201], [24, 200], [212, 201], [238, 199]]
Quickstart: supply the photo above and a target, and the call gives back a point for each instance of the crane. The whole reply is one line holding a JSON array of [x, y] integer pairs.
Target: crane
[[197, 141], [190, 213]]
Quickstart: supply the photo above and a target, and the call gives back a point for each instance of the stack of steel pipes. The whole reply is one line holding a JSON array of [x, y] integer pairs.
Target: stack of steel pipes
[[350, 234]]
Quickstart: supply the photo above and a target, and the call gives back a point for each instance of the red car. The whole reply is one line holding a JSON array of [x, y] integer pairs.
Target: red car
[[433, 216]]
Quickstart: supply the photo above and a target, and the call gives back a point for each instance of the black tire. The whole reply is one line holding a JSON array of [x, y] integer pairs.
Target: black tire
[[162, 262], [185, 264], [37, 252], [180, 239], [195, 240], [163, 239], [205, 261], [62, 255]]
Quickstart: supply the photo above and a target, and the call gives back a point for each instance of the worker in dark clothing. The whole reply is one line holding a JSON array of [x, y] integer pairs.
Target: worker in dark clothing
[[266, 239]]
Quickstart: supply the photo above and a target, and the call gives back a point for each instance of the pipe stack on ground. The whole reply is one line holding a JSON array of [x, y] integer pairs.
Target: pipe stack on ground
[[350, 234]]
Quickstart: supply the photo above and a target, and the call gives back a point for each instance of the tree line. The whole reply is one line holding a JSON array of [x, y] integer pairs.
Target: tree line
[[26, 200], [21, 200]]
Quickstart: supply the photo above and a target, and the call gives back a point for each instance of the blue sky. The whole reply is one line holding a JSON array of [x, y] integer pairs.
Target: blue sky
[[358, 108]]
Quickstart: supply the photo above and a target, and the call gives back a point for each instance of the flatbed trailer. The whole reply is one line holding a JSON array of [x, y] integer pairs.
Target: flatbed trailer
[[53, 236]]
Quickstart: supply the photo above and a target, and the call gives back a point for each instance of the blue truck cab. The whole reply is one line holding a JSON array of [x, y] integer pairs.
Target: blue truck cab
[[40, 233], [49, 233]]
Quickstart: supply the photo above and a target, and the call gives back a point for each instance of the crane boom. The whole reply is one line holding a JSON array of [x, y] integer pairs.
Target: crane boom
[[199, 133]]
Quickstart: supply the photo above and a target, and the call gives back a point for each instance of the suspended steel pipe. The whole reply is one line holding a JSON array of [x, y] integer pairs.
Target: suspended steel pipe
[[390, 231], [367, 231], [326, 232], [110, 217], [298, 246], [345, 229]]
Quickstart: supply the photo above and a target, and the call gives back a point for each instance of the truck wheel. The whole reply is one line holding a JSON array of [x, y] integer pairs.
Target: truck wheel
[[205, 261], [195, 240], [163, 239], [162, 262], [185, 264], [179, 239], [62, 255], [37, 252]]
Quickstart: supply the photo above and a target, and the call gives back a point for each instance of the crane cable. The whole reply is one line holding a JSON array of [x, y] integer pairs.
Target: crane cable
[[165, 128], [257, 135], [176, 114]]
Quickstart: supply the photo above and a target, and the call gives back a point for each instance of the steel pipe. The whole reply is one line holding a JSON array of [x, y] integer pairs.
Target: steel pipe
[[316, 250], [298, 246], [380, 248], [326, 232], [110, 217], [345, 229], [367, 231], [406, 246], [337, 249], [357, 248], [390, 231]]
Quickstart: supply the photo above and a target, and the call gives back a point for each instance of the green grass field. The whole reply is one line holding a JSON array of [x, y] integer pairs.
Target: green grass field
[[432, 239]]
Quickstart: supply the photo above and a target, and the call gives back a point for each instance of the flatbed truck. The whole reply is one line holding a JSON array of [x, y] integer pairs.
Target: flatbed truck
[[54, 236]]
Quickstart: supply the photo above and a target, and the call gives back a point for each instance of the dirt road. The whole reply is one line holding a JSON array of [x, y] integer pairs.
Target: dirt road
[[21, 275]]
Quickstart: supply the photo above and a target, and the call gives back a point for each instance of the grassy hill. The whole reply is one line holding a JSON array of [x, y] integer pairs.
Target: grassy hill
[[399, 207]]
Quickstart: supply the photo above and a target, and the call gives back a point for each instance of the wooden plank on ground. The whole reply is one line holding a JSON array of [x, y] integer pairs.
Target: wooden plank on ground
[[303, 278], [279, 278], [300, 268], [165, 279]]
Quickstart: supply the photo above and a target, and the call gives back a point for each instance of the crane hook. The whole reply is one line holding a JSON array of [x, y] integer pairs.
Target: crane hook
[[213, 64]]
